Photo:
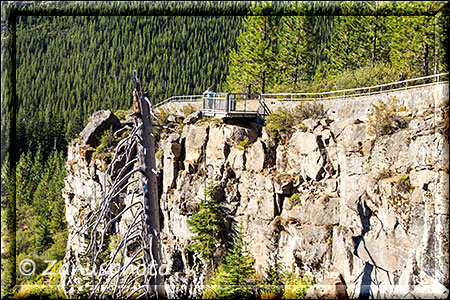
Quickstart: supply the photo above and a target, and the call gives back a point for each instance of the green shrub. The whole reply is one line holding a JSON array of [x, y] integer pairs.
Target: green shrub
[[386, 118], [58, 249], [297, 286], [218, 121], [188, 109], [404, 184], [244, 144], [280, 124], [40, 291], [106, 142], [365, 76], [308, 110], [324, 81], [180, 127], [163, 116], [122, 113], [294, 199]]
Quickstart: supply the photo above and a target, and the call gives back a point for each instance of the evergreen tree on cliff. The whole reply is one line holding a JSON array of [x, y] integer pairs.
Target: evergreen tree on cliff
[[234, 276], [207, 225]]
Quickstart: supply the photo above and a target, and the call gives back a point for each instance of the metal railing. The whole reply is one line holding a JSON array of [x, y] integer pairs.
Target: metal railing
[[185, 98], [232, 104], [355, 92]]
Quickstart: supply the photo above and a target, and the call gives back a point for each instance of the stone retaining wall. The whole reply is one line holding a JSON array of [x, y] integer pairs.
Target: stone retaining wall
[[414, 98]]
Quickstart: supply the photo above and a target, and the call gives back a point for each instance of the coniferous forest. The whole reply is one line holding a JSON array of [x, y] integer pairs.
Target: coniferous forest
[[72, 58]]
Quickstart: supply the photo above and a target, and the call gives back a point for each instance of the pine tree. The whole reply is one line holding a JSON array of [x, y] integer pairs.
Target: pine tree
[[207, 225], [293, 49], [57, 205], [319, 29], [43, 238], [8, 208], [23, 169], [345, 51], [414, 38], [253, 63], [359, 40], [233, 279]]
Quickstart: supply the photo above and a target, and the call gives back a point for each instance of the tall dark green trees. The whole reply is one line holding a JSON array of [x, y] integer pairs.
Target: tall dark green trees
[[414, 39], [70, 66], [312, 50], [252, 65], [293, 45]]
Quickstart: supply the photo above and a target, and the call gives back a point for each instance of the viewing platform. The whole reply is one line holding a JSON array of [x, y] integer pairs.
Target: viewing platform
[[234, 105]]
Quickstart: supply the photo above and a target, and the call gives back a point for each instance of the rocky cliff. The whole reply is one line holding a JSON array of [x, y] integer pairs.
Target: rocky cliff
[[332, 201]]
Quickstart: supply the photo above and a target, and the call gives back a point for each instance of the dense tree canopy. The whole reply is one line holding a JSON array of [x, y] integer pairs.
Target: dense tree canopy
[[312, 50]]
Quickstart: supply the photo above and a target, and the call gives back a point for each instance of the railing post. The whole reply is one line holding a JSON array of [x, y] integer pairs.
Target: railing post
[[228, 103]]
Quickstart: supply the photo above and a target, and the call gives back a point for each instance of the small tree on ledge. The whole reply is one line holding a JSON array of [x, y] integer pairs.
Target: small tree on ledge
[[234, 276], [207, 225]]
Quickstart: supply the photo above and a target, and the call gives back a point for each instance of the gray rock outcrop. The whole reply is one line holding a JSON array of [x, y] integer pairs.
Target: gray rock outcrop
[[99, 121], [322, 204]]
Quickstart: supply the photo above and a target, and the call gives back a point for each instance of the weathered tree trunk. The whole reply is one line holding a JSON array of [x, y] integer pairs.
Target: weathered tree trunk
[[151, 200], [425, 59], [374, 44], [296, 68], [263, 81]]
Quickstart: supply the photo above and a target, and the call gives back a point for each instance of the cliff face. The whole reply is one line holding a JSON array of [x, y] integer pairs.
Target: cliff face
[[330, 202]]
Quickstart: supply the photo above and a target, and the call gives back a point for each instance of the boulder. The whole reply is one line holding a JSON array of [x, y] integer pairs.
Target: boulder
[[172, 150], [310, 123], [236, 160], [174, 118], [236, 134], [256, 157], [99, 121], [283, 184], [313, 165], [216, 149], [195, 139], [304, 142]]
